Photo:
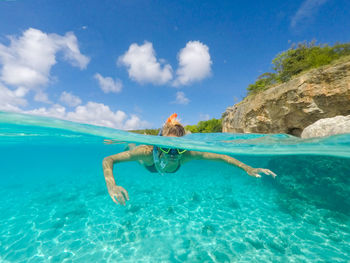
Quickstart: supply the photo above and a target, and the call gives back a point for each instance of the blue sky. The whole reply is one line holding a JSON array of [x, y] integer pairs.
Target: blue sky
[[130, 64]]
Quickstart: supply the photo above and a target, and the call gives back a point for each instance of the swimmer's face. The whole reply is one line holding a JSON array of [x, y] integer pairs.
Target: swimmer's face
[[170, 158], [171, 135]]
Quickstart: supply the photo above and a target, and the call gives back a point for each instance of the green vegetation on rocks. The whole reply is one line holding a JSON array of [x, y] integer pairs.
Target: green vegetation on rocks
[[299, 58], [213, 125]]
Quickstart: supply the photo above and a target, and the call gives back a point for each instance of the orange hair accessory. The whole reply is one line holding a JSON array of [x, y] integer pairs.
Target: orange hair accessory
[[172, 119]]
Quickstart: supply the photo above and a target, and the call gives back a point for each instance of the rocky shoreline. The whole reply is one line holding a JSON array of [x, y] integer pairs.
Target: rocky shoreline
[[292, 106]]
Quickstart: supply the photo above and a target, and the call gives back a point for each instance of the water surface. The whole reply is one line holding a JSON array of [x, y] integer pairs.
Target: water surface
[[54, 205]]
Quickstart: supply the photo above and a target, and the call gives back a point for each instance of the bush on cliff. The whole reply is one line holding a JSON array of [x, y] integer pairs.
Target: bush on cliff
[[297, 59], [263, 82], [213, 125]]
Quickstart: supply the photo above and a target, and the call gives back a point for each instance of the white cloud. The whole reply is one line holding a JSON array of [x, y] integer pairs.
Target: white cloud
[[69, 99], [26, 62], [69, 45], [93, 113], [107, 84], [307, 9], [97, 114], [181, 98], [194, 63], [42, 97], [25, 66], [100, 114], [56, 111], [90, 113], [11, 100], [143, 66], [134, 123]]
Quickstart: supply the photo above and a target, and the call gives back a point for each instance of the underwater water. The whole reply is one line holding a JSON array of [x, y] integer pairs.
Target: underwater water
[[54, 204]]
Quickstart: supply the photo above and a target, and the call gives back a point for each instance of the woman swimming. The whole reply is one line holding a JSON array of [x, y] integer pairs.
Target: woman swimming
[[164, 160]]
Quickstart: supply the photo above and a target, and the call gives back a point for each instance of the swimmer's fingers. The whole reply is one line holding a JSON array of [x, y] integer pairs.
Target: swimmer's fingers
[[118, 194], [269, 172], [125, 193], [266, 171], [256, 175], [121, 198], [108, 141], [254, 172], [118, 198], [113, 198]]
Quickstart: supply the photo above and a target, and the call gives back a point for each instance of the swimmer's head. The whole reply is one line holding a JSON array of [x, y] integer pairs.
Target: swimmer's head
[[173, 127]]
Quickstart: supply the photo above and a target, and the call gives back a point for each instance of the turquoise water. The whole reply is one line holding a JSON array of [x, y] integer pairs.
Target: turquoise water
[[54, 205]]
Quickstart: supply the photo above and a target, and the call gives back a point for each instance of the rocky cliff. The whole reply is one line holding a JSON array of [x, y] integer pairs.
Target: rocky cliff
[[292, 106]]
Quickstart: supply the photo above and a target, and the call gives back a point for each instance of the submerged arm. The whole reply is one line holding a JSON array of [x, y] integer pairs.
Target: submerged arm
[[192, 155], [115, 191]]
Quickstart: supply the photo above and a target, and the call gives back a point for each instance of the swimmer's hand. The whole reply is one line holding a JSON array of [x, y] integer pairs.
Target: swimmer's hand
[[256, 172], [118, 193], [107, 141]]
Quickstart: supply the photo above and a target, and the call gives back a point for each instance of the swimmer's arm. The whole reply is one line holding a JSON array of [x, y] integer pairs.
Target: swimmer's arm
[[193, 155], [137, 154]]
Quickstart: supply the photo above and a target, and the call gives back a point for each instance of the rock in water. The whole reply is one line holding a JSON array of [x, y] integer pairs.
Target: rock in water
[[327, 127], [292, 106]]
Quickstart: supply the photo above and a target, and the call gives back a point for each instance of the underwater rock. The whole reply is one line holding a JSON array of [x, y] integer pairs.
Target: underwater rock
[[170, 210], [233, 204], [290, 107], [195, 198], [208, 229], [256, 243], [327, 127], [134, 208], [318, 181], [221, 257]]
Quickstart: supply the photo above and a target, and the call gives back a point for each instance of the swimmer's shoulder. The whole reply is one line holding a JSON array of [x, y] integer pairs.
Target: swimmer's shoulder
[[195, 155], [142, 150], [188, 156]]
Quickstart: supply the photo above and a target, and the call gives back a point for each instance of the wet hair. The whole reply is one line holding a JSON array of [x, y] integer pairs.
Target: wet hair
[[175, 129]]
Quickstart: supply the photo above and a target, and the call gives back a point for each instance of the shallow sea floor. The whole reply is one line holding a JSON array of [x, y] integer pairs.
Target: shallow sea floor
[[54, 207]]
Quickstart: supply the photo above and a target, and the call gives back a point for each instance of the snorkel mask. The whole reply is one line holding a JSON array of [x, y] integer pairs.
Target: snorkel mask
[[172, 151], [168, 154]]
